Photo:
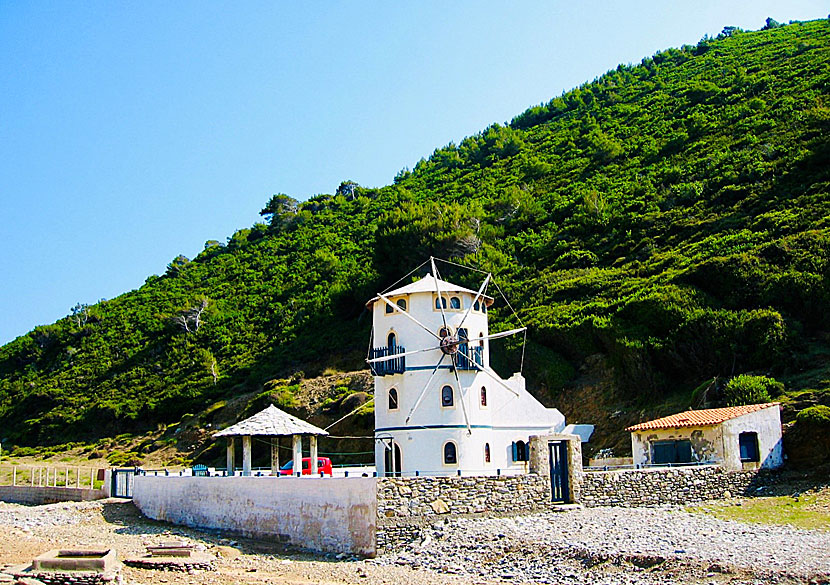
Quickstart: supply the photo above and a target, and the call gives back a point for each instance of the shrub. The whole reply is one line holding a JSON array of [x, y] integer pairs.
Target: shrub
[[746, 389], [815, 416]]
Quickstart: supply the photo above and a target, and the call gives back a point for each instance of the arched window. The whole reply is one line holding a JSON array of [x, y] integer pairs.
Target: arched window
[[487, 452], [389, 308], [481, 339], [444, 332], [401, 303], [450, 454], [483, 396], [446, 396], [520, 451], [476, 306], [391, 340], [443, 303], [455, 303], [393, 399]]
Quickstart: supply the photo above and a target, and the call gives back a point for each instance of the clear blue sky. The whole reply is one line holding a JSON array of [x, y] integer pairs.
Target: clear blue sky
[[131, 132]]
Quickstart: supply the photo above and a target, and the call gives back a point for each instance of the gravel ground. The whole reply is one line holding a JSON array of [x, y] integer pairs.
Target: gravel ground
[[617, 545], [585, 546]]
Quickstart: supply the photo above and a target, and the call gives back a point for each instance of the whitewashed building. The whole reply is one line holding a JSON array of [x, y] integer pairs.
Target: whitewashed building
[[736, 438], [439, 407]]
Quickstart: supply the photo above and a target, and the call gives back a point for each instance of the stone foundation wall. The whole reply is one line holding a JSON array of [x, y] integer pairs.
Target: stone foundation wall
[[672, 485], [408, 504]]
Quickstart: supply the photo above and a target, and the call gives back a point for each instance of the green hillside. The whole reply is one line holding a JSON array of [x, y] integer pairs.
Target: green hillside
[[660, 230]]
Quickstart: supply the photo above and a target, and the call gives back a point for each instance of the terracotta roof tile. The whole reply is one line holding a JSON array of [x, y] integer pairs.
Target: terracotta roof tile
[[700, 418]]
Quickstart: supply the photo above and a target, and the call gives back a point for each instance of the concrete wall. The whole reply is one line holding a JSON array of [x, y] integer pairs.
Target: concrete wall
[[321, 514], [47, 495], [719, 443]]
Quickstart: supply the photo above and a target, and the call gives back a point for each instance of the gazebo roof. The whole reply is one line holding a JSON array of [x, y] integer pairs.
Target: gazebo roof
[[271, 422]]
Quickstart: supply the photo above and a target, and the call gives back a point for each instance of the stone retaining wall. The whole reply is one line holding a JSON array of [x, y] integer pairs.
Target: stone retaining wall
[[672, 485], [407, 504], [37, 495]]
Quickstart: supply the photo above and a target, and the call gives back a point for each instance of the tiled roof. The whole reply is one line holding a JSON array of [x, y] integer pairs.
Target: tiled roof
[[700, 418], [271, 422]]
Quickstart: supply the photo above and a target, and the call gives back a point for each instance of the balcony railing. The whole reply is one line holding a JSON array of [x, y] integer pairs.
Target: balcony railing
[[476, 353], [388, 367]]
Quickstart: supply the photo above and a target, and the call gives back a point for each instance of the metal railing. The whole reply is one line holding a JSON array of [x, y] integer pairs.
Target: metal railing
[[462, 360], [388, 367], [49, 476], [649, 466]]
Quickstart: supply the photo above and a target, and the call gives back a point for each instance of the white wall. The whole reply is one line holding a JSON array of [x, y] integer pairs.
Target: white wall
[[719, 443], [767, 423], [322, 514], [505, 419]]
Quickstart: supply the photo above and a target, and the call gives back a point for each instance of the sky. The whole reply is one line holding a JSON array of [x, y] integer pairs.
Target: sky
[[131, 133]]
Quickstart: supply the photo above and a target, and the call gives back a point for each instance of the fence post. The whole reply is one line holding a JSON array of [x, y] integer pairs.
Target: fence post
[[91, 478], [78, 477], [14, 475]]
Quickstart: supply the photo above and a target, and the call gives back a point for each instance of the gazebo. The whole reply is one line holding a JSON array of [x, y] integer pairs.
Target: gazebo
[[273, 423]]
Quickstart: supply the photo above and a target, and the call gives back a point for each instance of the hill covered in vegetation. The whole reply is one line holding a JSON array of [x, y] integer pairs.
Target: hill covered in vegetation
[[661, 230]]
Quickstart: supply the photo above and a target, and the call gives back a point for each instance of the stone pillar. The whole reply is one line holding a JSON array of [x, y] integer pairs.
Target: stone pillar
[[297, 441], [313, 454], [246, 455], [230, 456], [275, 455]]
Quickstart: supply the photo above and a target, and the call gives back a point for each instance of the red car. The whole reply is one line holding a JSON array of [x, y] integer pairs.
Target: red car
[[323, 465]]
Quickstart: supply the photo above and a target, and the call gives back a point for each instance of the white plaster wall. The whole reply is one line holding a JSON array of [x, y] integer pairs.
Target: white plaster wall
[[322, 514], [707, 443], [719, 443], [506, 418], [767, 423]]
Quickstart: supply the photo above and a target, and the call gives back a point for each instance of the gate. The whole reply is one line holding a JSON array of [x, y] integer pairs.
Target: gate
[[122, 482], [558, 458]]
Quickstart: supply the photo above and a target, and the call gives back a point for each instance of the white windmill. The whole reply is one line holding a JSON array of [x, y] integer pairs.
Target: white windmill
[[439, 407]]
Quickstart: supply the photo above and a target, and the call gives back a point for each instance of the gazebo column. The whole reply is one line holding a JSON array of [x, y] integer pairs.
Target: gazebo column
[[275, 455], [297, 441], [313, 448], [230, 457], [246, 455]]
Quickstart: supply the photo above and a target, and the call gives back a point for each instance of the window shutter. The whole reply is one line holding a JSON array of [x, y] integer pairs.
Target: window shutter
[[515, 452]]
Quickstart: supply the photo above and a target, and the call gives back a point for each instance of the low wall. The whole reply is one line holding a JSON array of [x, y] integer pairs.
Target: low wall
[[321, 514], [672, 485], [37, 495], [407, 504]]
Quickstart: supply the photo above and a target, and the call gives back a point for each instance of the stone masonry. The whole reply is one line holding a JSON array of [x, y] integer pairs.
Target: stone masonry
[[408, 504], [672, 485]]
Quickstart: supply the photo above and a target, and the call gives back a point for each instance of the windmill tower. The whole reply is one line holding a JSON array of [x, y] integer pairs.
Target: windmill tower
[[439, 407]]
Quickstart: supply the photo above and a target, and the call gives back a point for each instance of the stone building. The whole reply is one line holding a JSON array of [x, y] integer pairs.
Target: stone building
[[737, 438]]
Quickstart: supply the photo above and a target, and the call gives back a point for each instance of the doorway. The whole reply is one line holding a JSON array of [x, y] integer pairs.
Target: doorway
[[392, 460], [558, 458]]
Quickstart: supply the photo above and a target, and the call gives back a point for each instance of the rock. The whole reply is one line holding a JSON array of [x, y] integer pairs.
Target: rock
[[439, 506]]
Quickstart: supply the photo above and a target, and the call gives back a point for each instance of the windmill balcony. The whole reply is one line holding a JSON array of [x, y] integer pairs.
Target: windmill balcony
[[463, 361], [388, 367]]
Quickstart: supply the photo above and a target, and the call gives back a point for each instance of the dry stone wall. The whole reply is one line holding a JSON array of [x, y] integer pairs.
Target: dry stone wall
[[408, 504], [673, 485]]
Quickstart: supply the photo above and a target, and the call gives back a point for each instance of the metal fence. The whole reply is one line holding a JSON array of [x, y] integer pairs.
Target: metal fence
[[51, 476]]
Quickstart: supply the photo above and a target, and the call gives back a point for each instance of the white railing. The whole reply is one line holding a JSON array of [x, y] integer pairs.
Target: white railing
[[49, 476]]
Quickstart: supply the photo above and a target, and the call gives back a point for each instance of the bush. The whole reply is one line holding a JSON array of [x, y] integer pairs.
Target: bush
[[815, 416], [745, 389]]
